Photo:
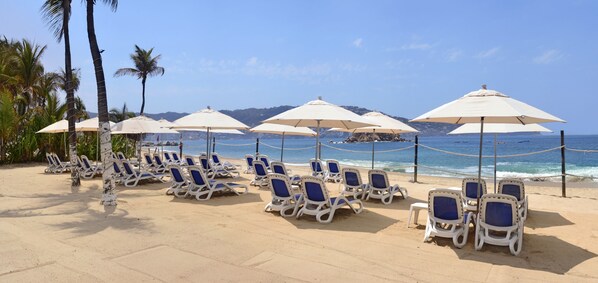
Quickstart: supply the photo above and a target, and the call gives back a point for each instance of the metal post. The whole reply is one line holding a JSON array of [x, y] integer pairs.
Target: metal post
[[214, 144], [563, 172], [373, 146], [480, 165], [257, 146], [282, 148], [415, 160], [319, 150], [181, 145], [495, 135], [318, 141]]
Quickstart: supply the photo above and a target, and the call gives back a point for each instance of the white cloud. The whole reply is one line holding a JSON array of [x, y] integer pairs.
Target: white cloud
[[548, 56], [416, 46], [358, 42], [453, 55], [488, 53], [251, 61]]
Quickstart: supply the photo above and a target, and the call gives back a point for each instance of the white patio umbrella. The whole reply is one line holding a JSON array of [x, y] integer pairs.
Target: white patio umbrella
[[320, 114], [208, 120], [486, 106], [474, 128], [61, 126], [91, 125], [140, 125], [385, 125], [283, 130]]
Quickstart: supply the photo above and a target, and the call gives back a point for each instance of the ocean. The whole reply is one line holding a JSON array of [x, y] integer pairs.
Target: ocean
[[433, 156]]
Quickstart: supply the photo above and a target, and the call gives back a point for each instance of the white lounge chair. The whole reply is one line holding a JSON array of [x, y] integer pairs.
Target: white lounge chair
[[380, 188], [515, 188], [223, 164], [264, 158], [149, 165], [51, 166], [498, 223], [214, 172], [167, 158], [352, 184], [189, 161], [160, 166], [334, 171], [179, 183], [132, 177], [59, 166], [88, 170], [261, 174], [249, 161], [203, 188], [319, 204], [446, 217], [317, 169], [118, 171], [279, 168], [469, 188], [176, 159], [283, 198]]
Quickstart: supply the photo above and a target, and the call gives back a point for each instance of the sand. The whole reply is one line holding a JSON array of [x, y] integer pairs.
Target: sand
[[50, 232]]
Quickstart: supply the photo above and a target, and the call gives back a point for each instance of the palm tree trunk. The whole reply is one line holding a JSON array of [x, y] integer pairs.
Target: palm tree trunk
[[142, 96], [70, 96], [108, 196]]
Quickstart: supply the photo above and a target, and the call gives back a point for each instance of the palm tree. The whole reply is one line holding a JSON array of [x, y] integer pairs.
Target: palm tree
[[108, 196], [57, 13], [145, 66], [118, 115], [8, 118], [28, 71]]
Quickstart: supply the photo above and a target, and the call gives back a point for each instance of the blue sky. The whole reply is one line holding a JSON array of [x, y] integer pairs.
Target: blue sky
[[400, 57]]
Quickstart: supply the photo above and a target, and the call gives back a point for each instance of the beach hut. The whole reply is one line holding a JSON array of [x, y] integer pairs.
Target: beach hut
[[486, 106], [319, 114], [384, 125]]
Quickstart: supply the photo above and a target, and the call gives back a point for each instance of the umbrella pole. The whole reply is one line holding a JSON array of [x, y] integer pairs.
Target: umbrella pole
[[373, 145], [317, 140], [480, 165], [495, 162], [208, 144], [282, 147], [64, 139]]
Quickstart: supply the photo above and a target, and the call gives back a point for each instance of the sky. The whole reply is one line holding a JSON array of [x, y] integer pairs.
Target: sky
[[403, 58]]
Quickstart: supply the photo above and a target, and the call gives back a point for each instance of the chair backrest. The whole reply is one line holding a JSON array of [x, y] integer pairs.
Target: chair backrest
[[314, 189], [499, 210], [50, 159], [128, 169], [205, 165], [445, 206], [278, 167], [85, 161], [265, 160], [190, 161], [215, 158], [512, 187], [351, 177], [197, 176], [175, 156], [116, 167], [158, 159], [470, 188], [56, 158], [378, 179], [167, 156], [333, 166], [148, 160], [249, 159], [279, 185], [79, 163], [316, 166], [259, 168], [177, 173], [121, 155]]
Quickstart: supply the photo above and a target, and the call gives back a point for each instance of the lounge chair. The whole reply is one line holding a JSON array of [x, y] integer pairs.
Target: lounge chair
[[160, 166], [264, 158], [498, 223], [283, 198], [167, 158], [469, 189], [446, 217], [279, 168], [380, 188], [121, 156], [59, 166], [227, 166], [88, 170], [334, 171], [189, 161], [214, 172], [118, 171], [51, 166], [249, 160], [317, 169], [149, 163], [203, 188], [352, 184], [179, 184], [176, 159], [132, 177], [318, 203], [261, 174], [515, 188]]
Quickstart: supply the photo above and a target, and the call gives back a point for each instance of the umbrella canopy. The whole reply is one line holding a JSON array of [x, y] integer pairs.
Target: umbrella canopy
[[89, 125], [474, 128], [61, 126], [140, 125], [494, 106], [278, 129], [384, 124], [320, 114], [208, 119]]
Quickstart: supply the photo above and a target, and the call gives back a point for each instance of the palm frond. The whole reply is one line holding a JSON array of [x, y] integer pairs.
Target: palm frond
[[53, 12], [127, 71]]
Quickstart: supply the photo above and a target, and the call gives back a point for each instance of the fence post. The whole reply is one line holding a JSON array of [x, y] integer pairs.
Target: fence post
[[257, 146], [214, 144], [415, 160], [563, 172], [320, 151]]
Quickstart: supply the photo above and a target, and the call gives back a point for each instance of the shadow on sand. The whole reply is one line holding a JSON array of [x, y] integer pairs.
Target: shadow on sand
[[219, 199], [545, 219], [345, 220], [96, 221]]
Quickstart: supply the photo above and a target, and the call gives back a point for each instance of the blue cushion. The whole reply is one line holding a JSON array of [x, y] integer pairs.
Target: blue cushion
[[340, 201], [378, 181], [144, 175], [176, 174], [445, 208], [499, 214], [512, 190], [197, 178], [260, 170], [280, 188], [249, 161], [314, 191], [128, 168], [333, 168], [471, 190], [297, 196], [278, 169], [204, 163], [190, 161], [352, 179], [116, 168]]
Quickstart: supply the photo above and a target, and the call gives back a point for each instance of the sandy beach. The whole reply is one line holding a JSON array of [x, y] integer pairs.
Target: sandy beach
[[49, 232]]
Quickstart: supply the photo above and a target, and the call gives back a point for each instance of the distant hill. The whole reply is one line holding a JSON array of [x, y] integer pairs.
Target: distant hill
[[254, 116]]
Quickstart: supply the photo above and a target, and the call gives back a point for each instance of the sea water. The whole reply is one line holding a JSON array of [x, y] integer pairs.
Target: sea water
[[462, 162]]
